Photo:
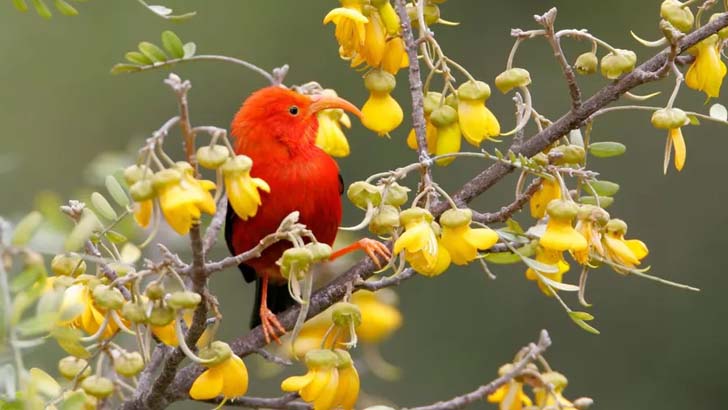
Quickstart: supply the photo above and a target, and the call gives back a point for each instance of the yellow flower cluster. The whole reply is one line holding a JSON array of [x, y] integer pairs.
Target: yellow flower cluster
[[226, 374], [548, 388], [331, 381]]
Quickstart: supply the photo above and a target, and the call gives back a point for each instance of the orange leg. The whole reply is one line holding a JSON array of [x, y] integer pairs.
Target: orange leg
[[373, 249], [268, 320]]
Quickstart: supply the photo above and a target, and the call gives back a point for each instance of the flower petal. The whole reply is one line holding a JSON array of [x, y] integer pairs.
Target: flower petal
[[208, 385]]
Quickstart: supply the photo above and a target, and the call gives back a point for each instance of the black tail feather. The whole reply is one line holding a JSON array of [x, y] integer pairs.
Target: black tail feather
[[278, 300]]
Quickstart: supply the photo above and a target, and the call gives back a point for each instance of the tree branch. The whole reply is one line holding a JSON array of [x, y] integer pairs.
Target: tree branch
[[507, 211], [547, 20]]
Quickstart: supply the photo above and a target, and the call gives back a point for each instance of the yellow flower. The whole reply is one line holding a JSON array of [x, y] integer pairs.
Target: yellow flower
[[707, 71], [378, 318], [242, 189], [477, 122], [381, 113], [90, 316], [395, 56], [672, 119], [445, 119], [545, 399], [547, 192], [331, 381], [624, 252], [330, 137], [226, 375], [552, 258], [143, 212], [168, 334], [375, 41], [560, 235], [420, 243], [590, 221], [350, 26], [183, 198], [430, 136], [510, 396], [462, 241]]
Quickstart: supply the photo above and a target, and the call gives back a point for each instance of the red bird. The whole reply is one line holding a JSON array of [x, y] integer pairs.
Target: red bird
[[276, 127]]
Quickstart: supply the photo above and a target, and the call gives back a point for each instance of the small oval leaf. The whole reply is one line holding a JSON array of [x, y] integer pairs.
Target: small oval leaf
[[42, 9], [173, 44], [125, 68], [604, 201], [152, 51], [557, 285], [103, 207], [116, 191], [26, 228], [719, 112], [581, 316], [607, 149], [582, 324], [65, 8], [21, 5], [190, 49], [602, 188], [138, 58]]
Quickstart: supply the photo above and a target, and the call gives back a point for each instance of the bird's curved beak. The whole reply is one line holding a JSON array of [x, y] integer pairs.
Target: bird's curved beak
[[323, 102]]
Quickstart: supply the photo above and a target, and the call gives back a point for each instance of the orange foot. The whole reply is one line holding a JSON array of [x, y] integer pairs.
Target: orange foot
[[373, 249], [271, 326]]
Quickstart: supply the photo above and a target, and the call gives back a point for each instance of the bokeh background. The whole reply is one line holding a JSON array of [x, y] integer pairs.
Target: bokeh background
[[659, 348]]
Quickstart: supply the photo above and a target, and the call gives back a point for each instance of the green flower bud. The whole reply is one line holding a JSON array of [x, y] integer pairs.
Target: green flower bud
[[344, 313], [161, 316], [593, 213], [603, 201], [236, 164], [68, 264], [142, 190], [680, 17], [569, 154], [556, 379], [298, 258], [217, 352], [164, 178], [586, 63], [452, 101], [455, 218], [379, 80], [443, 116], [510, 79], [432, 101], [121, 269], [477, 90], [669, 118], [396, 195], [541, 159], [360, 192], [97, 386], [344, 359], [70, 366], [184, 300], [414, 214], [155, 291], [616, 64], [136, 173], [431, 13], [320, 251], [321, 358], [562, 209], [107, 297], [385, 221], [212, 157], [129, 364], [617, 226], [134, 313]]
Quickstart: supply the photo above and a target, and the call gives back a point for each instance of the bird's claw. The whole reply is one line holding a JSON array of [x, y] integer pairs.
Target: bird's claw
[[375, 249], [272, 328]]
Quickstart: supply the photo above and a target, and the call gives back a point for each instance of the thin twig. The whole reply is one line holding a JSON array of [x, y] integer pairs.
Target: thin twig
[[216, 224], [547, 21], [507, 211]]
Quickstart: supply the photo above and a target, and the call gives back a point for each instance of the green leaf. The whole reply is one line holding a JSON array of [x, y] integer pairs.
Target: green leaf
[[125, 68], [103, 207], [502, 258], [576, 138], [602, 188], [26, 279], [539, 266], [82, 231], [116, 237], [557, 285], [42, 9], [116, 191], [26, 228], [65, 8], [22, 302], [138, 58], [161, 11], [152, 52], [604, 201], [37, 325], [693, 119], [719, 112], [70, 341], [76, 401], [173, 44], [607, 149], [178, 18], [21, 5], [581, 316], [582, 324], [189, 49], [514, 226]]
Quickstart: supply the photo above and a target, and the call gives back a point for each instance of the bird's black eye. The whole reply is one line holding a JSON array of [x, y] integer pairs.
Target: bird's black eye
[[293, 110]]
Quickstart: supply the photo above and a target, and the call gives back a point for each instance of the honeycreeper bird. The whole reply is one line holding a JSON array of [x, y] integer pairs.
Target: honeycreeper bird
[[276, 127]]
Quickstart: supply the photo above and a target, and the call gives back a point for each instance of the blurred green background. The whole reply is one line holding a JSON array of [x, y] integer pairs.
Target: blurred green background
[[659, 348]]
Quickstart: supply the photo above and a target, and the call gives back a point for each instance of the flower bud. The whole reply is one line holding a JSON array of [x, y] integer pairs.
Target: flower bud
[[217, 353], [154, 291], [556, 379], [586, 63], [107, 297], [343, 359], [129, 364], [669, 118], [136, 173], [380, 81], [680, 17], [161, 316], [134, 312], [562, 209], [396, 195], [510, 79], [212, 157], [344, 313], [593, 213], [416, 214], [617, 226], [443, 116], [184, 300], [321, 358], [321, 252], [385, 221], [142, 190], [541, 159], [431, 13], [569, 154], [455, 218], [477, 90], [299, 258], [432, 101], [360, 193], [70, 366], [616, 64], [97, 386], [236, 164], [68, 264]]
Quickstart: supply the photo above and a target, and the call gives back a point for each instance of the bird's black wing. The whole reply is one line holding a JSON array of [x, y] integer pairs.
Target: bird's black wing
[[341, 185], [230, 218]]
